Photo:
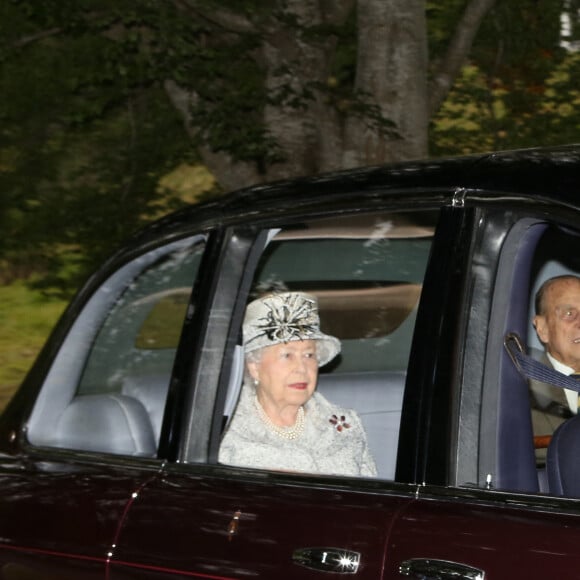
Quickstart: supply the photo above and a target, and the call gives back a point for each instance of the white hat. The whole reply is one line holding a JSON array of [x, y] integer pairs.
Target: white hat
[[286, 317]]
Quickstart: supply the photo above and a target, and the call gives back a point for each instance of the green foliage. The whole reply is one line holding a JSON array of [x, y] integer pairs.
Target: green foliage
[[87, 130], [558, 116], [27, 318], [109, 50], [442, 18], [92, 185], [86, 133], [520, 88], [465, 122]]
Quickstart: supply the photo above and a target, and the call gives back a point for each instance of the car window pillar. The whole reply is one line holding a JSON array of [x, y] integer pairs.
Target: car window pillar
[[425, 454], [203, 345]]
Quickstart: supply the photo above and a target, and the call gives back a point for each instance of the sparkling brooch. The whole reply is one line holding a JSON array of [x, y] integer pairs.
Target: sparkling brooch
[[339, 422]]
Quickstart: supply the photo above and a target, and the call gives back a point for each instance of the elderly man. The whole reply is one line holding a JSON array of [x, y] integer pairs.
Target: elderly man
[[557, 323]]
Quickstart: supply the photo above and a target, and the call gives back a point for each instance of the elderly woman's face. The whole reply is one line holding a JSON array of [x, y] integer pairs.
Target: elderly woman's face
[[286, 373]]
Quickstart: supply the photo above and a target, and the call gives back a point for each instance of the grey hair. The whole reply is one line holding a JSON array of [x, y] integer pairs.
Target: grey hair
[[539, 302], [255, 356]]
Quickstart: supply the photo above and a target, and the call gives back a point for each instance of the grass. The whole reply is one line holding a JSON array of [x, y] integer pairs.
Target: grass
[[26, 319]]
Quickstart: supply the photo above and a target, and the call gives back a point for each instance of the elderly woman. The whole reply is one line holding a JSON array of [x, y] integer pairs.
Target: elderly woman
[[280, 421]]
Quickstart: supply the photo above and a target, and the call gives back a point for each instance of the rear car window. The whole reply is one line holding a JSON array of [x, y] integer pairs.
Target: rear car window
[[367, 273]]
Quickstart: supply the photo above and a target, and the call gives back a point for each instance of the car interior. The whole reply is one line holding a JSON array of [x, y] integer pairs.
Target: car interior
[[367, 273], [117, 358], [540, 251], [561, 465]]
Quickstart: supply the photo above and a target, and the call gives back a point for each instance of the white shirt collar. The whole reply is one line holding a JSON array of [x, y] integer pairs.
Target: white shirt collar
[[560, 367]]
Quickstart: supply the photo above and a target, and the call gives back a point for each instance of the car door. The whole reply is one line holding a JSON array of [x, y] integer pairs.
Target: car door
[[80, 439], [60, 516], [488, 508], [485, 535], [203, 519], [202, 523]]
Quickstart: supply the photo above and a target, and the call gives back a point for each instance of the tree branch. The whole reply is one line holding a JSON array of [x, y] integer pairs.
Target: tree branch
[[335, 11], [457, 52], [228, 21], [35, 37], [230, 173]]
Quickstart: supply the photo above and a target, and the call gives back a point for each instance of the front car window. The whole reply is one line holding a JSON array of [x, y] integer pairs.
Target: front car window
[[557, 258], [521, 414]]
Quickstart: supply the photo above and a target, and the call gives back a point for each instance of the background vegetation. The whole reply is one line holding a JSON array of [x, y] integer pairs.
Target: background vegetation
[[27, 317], [114, 112]]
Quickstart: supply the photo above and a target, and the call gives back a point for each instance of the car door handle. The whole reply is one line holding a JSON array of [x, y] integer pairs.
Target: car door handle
[[428, 569], [334, 560]]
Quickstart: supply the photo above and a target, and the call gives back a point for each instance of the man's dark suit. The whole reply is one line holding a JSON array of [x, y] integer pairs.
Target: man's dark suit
[[548, 403]]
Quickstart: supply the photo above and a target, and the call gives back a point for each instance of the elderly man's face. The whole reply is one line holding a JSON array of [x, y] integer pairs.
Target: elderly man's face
[[559, 325]]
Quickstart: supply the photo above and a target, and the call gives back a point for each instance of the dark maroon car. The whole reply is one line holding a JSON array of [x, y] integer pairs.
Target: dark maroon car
[[108, 452]]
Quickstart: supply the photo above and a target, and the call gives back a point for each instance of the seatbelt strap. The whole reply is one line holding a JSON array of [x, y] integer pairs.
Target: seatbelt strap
[[530, 368]]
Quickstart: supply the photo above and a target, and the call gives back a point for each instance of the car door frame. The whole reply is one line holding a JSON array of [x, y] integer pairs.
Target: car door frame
[[220, 322], [485, 519], [444, 294], [39, 476]]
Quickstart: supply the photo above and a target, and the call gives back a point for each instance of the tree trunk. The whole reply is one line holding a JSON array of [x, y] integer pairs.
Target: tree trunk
[[316, 135], [392, 68], [298, 130], [457, 52]]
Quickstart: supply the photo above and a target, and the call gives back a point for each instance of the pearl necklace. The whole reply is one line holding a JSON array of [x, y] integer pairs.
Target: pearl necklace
[[292, 432]]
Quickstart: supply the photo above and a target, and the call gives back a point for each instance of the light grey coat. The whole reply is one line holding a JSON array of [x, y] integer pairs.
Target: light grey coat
[[321, 448]]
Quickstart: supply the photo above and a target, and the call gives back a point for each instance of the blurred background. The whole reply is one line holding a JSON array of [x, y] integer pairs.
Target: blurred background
[[116, 112]]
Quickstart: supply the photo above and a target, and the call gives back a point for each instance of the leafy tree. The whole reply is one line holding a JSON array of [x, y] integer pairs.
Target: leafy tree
[[519, 88], [265, 89], [103, 97]]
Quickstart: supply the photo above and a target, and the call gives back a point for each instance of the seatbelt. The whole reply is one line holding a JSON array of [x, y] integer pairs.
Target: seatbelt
[[530, 368]]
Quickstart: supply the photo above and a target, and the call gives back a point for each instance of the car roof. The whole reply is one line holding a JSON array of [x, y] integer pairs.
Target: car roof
[[551, 174]]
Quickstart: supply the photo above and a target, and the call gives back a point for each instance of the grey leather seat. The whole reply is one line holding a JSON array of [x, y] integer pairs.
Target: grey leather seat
[[151, 391], [377, 396], [109, 423]]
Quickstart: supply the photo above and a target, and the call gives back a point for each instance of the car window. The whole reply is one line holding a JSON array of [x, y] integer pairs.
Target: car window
[[366, 272], [108, 385], [521, 414], [554, 409]]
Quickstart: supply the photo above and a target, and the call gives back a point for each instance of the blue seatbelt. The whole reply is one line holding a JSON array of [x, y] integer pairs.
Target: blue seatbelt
[[530, 368]]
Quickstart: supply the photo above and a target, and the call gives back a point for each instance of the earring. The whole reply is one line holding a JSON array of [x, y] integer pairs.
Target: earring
[[256, 382]]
